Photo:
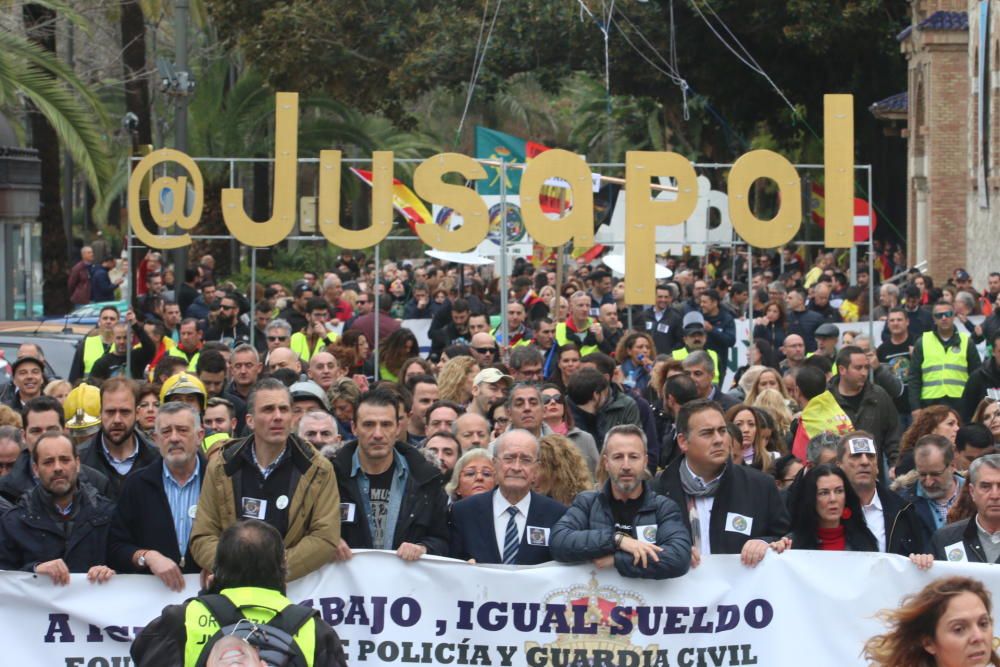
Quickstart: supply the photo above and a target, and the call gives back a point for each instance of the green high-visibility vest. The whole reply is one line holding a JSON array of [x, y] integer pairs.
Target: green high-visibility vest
[[93, 349], [257, 604], [300, 345], [563, 336], [944, 372], [176, 351]]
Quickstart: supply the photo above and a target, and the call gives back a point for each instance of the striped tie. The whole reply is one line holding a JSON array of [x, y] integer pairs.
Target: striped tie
[[511, 539]]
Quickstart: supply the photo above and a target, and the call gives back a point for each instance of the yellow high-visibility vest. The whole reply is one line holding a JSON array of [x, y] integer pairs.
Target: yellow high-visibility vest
[[944, 372]]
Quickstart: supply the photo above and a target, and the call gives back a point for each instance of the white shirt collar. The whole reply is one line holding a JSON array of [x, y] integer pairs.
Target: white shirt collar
[[876, 503], [500, 505], [699, 478]]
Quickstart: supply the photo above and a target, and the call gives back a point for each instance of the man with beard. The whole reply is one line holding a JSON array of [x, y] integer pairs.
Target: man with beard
[[59, 527], [41, 416], [119, 449], [228, 328], [489, 387], [511, 524], [144, 538], [934, 485], [626, 525]]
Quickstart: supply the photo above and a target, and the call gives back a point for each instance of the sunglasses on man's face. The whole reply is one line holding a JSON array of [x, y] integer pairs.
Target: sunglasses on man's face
[[485, 350], [275, 339], [941, 316]]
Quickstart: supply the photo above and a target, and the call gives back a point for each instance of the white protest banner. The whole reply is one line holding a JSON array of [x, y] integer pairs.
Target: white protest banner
[[444, 612]]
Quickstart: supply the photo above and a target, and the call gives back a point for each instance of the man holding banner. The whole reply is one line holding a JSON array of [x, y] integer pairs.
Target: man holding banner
[[729, 508]]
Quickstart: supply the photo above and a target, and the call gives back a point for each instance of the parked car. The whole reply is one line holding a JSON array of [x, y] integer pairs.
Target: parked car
[[87, 314], [58, 343]]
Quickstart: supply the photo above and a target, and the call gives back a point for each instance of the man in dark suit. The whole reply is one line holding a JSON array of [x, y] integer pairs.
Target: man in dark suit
[[512, 524], [151, 528]]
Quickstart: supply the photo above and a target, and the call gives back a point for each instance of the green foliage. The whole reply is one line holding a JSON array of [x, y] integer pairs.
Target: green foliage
[[70, 106]]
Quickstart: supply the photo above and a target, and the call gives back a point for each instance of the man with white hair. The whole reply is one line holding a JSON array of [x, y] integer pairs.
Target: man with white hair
[[512, 524], [332, 292], [319, 429]]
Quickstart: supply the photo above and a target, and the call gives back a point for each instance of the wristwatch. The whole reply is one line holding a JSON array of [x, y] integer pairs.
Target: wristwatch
[[141, 561]]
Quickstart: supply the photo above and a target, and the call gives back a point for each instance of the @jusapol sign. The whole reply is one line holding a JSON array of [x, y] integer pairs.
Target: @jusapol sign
[[643, 212]]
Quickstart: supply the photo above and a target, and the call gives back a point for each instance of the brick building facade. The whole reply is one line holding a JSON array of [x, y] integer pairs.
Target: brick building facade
[[937, 50]]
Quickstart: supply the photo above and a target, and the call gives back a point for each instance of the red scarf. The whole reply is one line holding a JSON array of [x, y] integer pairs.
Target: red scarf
[[832, 539]]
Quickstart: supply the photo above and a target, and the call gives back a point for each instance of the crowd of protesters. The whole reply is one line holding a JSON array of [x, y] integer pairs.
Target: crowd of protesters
[[571, 427]]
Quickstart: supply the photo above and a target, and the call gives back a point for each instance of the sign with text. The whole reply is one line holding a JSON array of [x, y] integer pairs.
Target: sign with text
[[440, 611]]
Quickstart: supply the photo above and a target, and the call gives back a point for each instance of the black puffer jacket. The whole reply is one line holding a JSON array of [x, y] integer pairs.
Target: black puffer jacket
[[587, 532]]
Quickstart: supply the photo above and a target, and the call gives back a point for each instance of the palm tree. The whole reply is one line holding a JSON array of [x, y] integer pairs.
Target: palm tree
[[64, 111]]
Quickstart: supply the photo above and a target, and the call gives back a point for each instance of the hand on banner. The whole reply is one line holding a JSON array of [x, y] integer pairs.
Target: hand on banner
[[99, 574], [55, 570], [695, 557], [411, 552], [641, 552], [206, 579], [342, 553], [753, 552], [922, 561], [166, 570], [604, 562], [782, 545]]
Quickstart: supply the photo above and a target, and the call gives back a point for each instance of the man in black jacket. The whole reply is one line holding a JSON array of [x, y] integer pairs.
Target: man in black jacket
[[892, 520], [59, 527], [152, 528], [626, 525], [867, 404], [971, 540], [391, 497], [40, 416], [663, 321], [728, 508], [983, 382], [113, 363], [119, 449]]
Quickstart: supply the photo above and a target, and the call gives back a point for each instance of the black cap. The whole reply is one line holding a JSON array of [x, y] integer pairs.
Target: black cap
[[24, 360], [827, 330]]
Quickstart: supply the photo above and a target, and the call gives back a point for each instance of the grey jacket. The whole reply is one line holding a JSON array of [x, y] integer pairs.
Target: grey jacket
[[587, 532]]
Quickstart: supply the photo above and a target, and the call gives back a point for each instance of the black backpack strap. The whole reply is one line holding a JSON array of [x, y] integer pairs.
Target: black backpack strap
[[292, 618], [225, 614]]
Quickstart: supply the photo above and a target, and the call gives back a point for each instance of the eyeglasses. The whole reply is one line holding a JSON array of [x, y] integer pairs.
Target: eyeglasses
[[502, 420], [551, 398], [511, 459], [941, 316], [472, 473], [224, 307], [485, 350], [277, 338]]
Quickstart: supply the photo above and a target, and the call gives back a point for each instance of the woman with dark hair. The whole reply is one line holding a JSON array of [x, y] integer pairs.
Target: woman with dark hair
[[415, 366], [354, 349], [396, 348], [785, 470], [558, 416], [635, 354], [567, 361], [826, 514], [947, 624], [773, 326]]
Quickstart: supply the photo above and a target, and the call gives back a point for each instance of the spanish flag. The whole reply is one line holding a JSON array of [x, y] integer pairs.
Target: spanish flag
[[822, 413], [404, 200], [817, 199]]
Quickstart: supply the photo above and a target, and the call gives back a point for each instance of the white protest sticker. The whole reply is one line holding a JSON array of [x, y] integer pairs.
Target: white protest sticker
[[737, 523], [955, 553]]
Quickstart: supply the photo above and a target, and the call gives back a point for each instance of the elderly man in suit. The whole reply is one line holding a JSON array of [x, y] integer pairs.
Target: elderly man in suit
[[512, 524]]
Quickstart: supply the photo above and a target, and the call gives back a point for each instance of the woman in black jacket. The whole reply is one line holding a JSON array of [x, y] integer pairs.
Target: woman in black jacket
[[826, 514], [773, 327]]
